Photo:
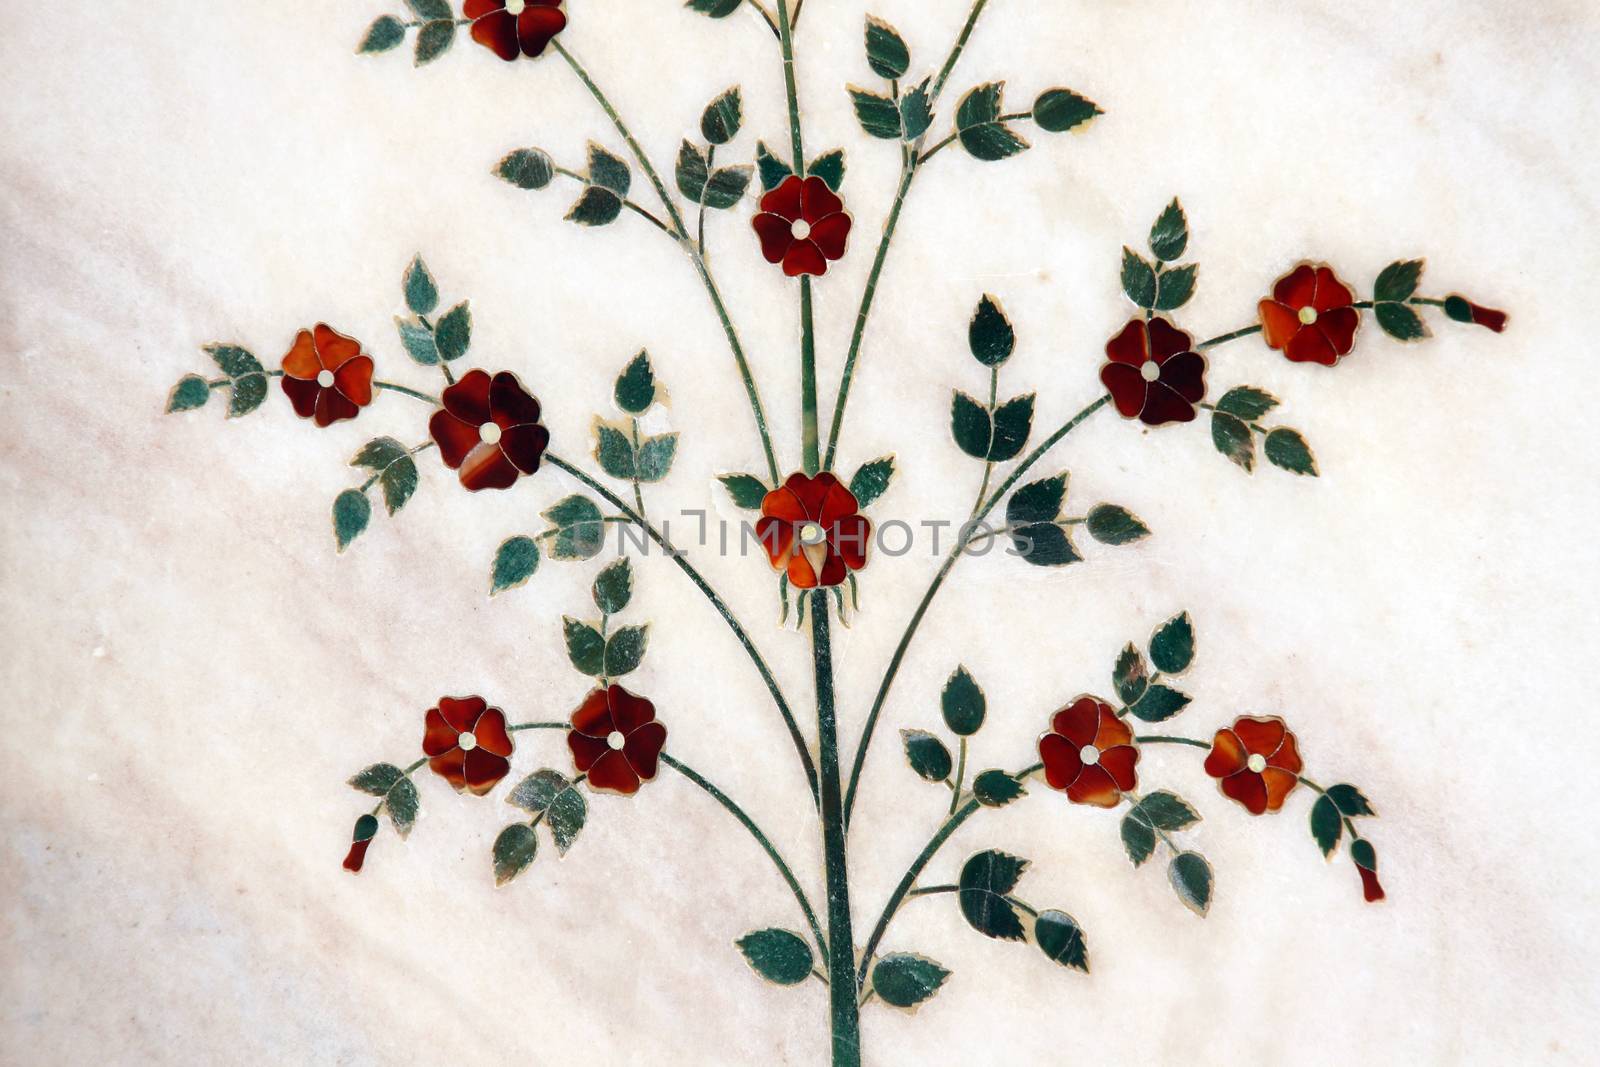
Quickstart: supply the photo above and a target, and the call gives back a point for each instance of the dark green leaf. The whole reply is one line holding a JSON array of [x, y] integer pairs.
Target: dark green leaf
[[581, 531], [1012, 422], [1172, 645], [1247, 402], [1166, 811], [191, 392], [608, 171], [1191, 879], [1061, 938], [1159, 703], [969, 424], [614, 451], [433, 41], [1326, 825], [1138, 278], [527, 168], [772, 169], [978, 126], [514, 849], [692, 172], [829, 167], [234, 361], [746, 490], [585, 647], [1364, 854], [1398, 281], [1174, 287], [995, 789], [726, 187], [1400, 322], [1349, 800], [246, 394], [1113, 525], [1058, 110], [927, 755], [916, 112], [989, 334], [534, 793], [1170, 234], [514, 563], [962, 703], [401, 803], [624, 650], [386, 32], [720, 121], [887, 53], [613, 586], [351, 513], [1232, 438], [596, 207], [1037, 501], [870, 482], [717, 9], [1138, 839], [636, 385], [985, 880], [397, 471], [422, 295], [427, 10], [377, 779], [248, 387], [565, 810], [453, 333], [418, 342], [656, 455], [777, 955], [1129, 675], [904, 981], [1287, 449], [879, 116], [1044, 545]]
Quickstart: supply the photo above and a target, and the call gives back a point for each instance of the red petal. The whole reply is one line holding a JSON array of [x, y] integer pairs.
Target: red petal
[[524, 445], [1310, 346], [302, 394], [1260, 736], [593, 716], [1094, 786], [818, 201], [354, 380], [785, 503], [449, 767], [438, 736], [358, 855], [832, 234], [837, 502], [1126, 386], [301, 359], [476, 9], [1278, 784], [334, 349], [1131, 346], [509, 403], [488, 467], [1163, 405], [833, 570], [537, 27], [462, 712], [1227, 755], [1166, 340], [468, 399], [628, 711], [586, 750], [1279, 323], [1111, 731], [1185, 374], [1296, 288], [775, 235], [1288, 755], [1330, 292], [804, 257], [612, 774], [849, 538], [1248, 789], [776, 536], [1494, 320], [801, 576], [1339, 327], [1119, 763], [1079, 721], [497, 32], [332, 406], [454, 437], [483, 770], [784, 200], [1060, 758], [643, 749], [490, 730], [1371, 889]]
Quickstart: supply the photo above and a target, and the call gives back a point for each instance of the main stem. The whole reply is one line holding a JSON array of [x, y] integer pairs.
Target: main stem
[[845, 1008], [810, 449]]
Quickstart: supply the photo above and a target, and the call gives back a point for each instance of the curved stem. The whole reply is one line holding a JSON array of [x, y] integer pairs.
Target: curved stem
[[1168, 739], [962, 540], [406, 391], [716, 601], [1222, 339], [766, 843]]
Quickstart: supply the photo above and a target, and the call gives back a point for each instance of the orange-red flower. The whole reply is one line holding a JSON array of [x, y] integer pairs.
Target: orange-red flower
[[1154, 374], [1088, 752], [510, 28], [326, 376], [1257, 761], [802, 225], [616, 740], [489, 430], [1309, 317], [466, 743], [812, 529]]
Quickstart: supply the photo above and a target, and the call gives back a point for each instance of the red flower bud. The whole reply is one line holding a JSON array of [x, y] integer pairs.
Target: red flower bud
[[1366, 858], [1463, 310], [1369, 885], [360, 839]]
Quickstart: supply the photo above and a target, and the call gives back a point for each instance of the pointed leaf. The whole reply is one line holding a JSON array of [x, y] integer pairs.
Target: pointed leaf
[[879, 116], [1044, 545], [385, 33], [422, 295], [1172, 645], [916, 112], [1013, 421], [433, 41], [614, 452], [887, 53], [581, 531], [377, 779], [777, 955], [585, 647], [453, 333], [1247, 402], [351, 513], [1159, 703], [1287, 449], [1059, 110], [401, 802], [1191, 880], [927, 755], [1232, 438], [514, 563], [596, 207], [970, 425], [613, 586], [608, 170], [963, 704], [726, 187], [870, 482], [656, 455], [1138, 839], [418, 342], [514, 849], [527, 168], [1061, 938], [903, 980], [1174, 287], [1037, 501], [1129, 675], [985, 880], [692, 172], [1138, 279], [636, 385], [1170, 234], [1166, 811], [746, 490], [996, 789], [1400, 322], [772, 169], [1113, 525], [829, 167], [989, 334], [720, 121], [1349, 800], [978, 126], [1398, 281], [191, 392], [1326, 825], [624, 650]]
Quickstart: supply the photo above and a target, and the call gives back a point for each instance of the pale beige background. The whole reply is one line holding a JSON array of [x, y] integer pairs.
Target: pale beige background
[[190, 672]]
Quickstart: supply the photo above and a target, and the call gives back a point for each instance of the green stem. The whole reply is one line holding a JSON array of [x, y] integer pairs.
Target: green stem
[[808, 338], [961, 778], [1168, 739], [638, 494], [930, 153], [405, 391], [1222, 339], [786, 45], [966, 535], [540, 726], [716, 601], [700, 222], [930, 890], [955, 51], [629, 204]]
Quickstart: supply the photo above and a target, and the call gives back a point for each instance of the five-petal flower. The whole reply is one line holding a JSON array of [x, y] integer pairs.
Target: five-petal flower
[[1089, 753], [489, 430], [326, 376], [466, 743], [802, 224]]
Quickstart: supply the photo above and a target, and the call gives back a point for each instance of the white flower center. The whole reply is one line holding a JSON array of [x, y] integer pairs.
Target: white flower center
[[1257, 762], [800, 228], [325, 378], [1308, 314], [489, 433], [615, 739], [811, 533], [466, 742], [514, 7], [1089, 755], [1150, 370]]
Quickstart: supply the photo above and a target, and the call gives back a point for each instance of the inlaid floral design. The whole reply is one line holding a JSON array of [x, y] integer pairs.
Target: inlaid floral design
[[489, 430], [1257, 761], [1310, 317], [813, 531], [1153, 372], [466, 743], [1088, 753], [512, 28], [616, 740], [326, 376], [803, 225]]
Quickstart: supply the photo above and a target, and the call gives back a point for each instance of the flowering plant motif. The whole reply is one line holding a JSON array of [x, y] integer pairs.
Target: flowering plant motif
[[813, 524]]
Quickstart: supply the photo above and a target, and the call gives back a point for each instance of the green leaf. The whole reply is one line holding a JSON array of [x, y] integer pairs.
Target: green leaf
[[1326, 825], [916, 112], [422, 295], [1130, 675], [969, 424], [1113, 525], [1044, 545], [772, 169], [624, 650], [1172, 645], [989, 334], [1061, 938], [1059, 110], [962, 703], [879, 116], [453, 333], [1397, 281], [692, 172], [720, 121], [401, 803], [927, 755], [1166, 811], [777, 955], [514, 849], [726, 187], [747, 490], [397, 471], [636, 385], [585, 647], [613, 586], [871, 481], [1232, 438], [580, 531], [433, 41], [1037, 501], [248, 384], [596, 207], [995, 789], [614, 451], [385, 33], [1138, 278], [985, 880], [1159, 703], [655, 456], [608, 171], [377, 779], [418, 342], [829, 167], [1138, 839], [1190, 875], [1400, 322], [887, 53], [1247, 402], [1169, 236], [527, 168], [1349, 800], [191, 392], [234, 361], [1364, 855], [904, 981], [427, 10], [351, 513], [717, 9], [1012, 422], [514, 563], [979, 128], [565, 810], [1174, 287], [1287, 449]]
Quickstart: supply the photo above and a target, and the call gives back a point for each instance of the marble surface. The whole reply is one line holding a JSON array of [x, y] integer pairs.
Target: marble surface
[[191, 671]]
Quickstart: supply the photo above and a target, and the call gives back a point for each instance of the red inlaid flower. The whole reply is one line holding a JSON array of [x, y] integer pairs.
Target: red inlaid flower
[[326, 376], [1463, 310], [489, 430], [802, 225], [616, 740], [1258, 762], [510, 28], [1089, 753], [1309, 317], [466, 743], [812, 529], [1153, 374]]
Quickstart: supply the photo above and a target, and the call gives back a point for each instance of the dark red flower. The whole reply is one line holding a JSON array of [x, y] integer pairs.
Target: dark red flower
[[489, 430], [510, 28], [466, 743], [360, 840], [803, 225], [1258, 762], [1089, 753], [1309, 317], [1154, 374], [1463, 310], [326, 376], [616, 740], [811, 528]]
